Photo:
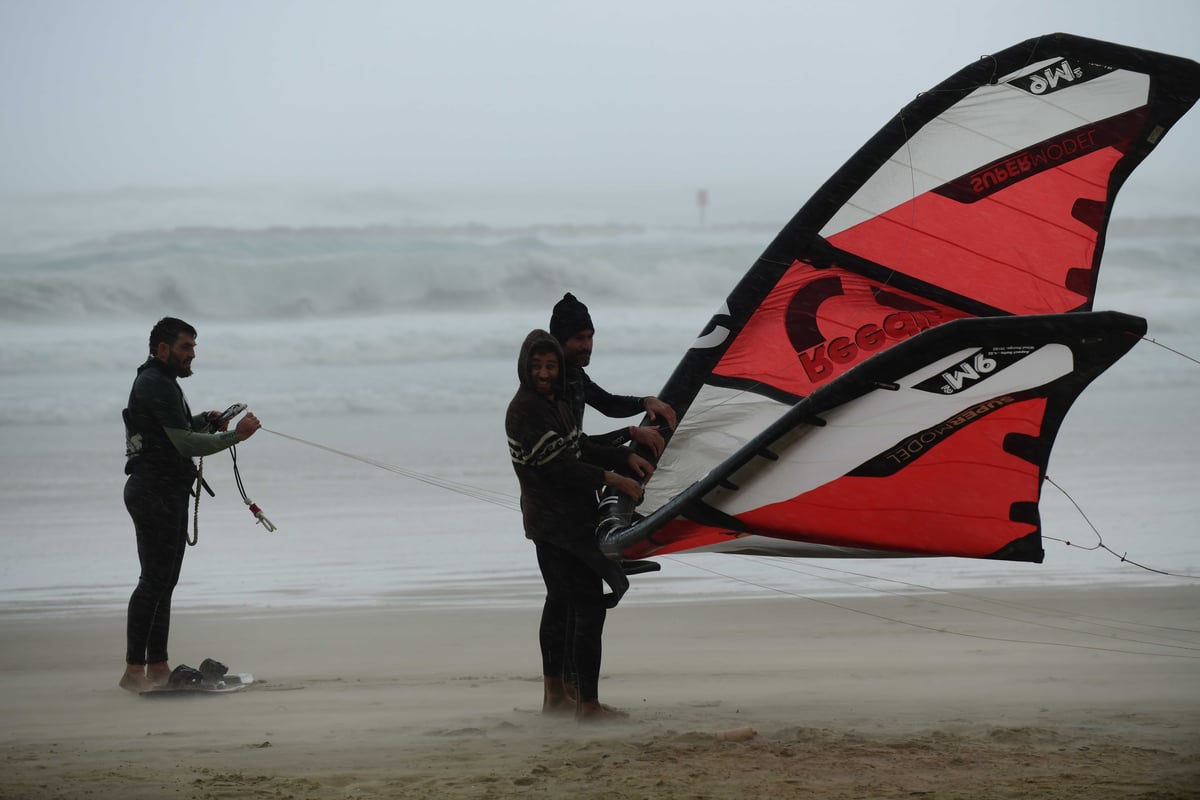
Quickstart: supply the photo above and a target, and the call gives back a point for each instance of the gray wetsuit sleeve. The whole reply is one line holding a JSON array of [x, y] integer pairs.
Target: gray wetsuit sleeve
[[193, 443]]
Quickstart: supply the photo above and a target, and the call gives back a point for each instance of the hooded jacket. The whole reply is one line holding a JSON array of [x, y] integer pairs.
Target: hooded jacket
[[559, 469]]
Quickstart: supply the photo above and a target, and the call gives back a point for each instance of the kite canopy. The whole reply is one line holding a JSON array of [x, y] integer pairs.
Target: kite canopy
[[834, 405], [936, 447]]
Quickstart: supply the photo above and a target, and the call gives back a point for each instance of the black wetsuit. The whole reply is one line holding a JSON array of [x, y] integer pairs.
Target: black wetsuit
[[583, 391], [156, 496]]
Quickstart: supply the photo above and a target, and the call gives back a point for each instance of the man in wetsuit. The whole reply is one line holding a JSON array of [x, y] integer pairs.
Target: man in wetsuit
[[162, 436], [571, 325]]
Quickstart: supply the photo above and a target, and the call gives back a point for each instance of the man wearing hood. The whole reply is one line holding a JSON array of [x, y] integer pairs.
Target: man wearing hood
[[560, 471], [162, 436]]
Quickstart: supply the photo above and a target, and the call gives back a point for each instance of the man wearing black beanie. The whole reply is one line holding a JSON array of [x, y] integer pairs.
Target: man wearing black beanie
[[571, 324]]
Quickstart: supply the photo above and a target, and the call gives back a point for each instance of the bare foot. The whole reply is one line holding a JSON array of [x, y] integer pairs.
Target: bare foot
[[595, 711], [555, 699], [158, 673], [560, 705], [135, 680]]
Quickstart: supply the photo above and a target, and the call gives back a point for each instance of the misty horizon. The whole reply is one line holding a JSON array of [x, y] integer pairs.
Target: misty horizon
[[468, 96]]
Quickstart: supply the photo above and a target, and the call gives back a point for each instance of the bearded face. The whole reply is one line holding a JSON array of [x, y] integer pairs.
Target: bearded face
[[179, 356]]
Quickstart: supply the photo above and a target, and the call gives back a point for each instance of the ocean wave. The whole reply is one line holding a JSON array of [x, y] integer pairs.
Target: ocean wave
[[305, 272], [311, 271]]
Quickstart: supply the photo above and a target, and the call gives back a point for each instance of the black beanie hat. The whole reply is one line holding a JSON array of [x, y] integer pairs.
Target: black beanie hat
[[569, 318]]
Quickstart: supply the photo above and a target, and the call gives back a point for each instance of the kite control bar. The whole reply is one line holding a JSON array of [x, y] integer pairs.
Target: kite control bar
[[226, 415]]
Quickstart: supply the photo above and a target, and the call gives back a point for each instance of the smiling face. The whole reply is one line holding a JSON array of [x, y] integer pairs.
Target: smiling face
[[543, 373]]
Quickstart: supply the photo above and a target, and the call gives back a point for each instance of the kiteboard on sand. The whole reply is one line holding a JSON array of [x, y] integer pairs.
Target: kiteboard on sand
[[213, 677]]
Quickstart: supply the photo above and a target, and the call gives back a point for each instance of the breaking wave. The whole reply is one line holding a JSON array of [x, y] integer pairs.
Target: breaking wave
[[279, 272]]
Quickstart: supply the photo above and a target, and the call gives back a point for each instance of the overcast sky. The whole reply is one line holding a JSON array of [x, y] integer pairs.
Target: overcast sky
[[104, 94]]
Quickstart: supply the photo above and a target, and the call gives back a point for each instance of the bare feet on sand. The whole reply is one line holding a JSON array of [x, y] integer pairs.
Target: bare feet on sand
[[158, 673], [558, 697], [139, 678], [595, 711], [555, 699], [135, 680]]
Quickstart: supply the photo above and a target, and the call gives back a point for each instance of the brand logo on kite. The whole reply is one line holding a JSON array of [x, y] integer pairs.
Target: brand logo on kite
[[968, 373], [1039, 158], [1047, 80], [1059, 75], [820, 362], [974, 369], [717, 330], [921, 443], [822, 358]]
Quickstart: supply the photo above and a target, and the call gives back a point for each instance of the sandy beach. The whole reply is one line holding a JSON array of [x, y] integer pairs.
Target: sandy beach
[[1050, 693], [364, 209]]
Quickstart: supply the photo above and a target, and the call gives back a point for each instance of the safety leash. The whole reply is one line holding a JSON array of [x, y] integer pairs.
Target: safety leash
[[259, 516]]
